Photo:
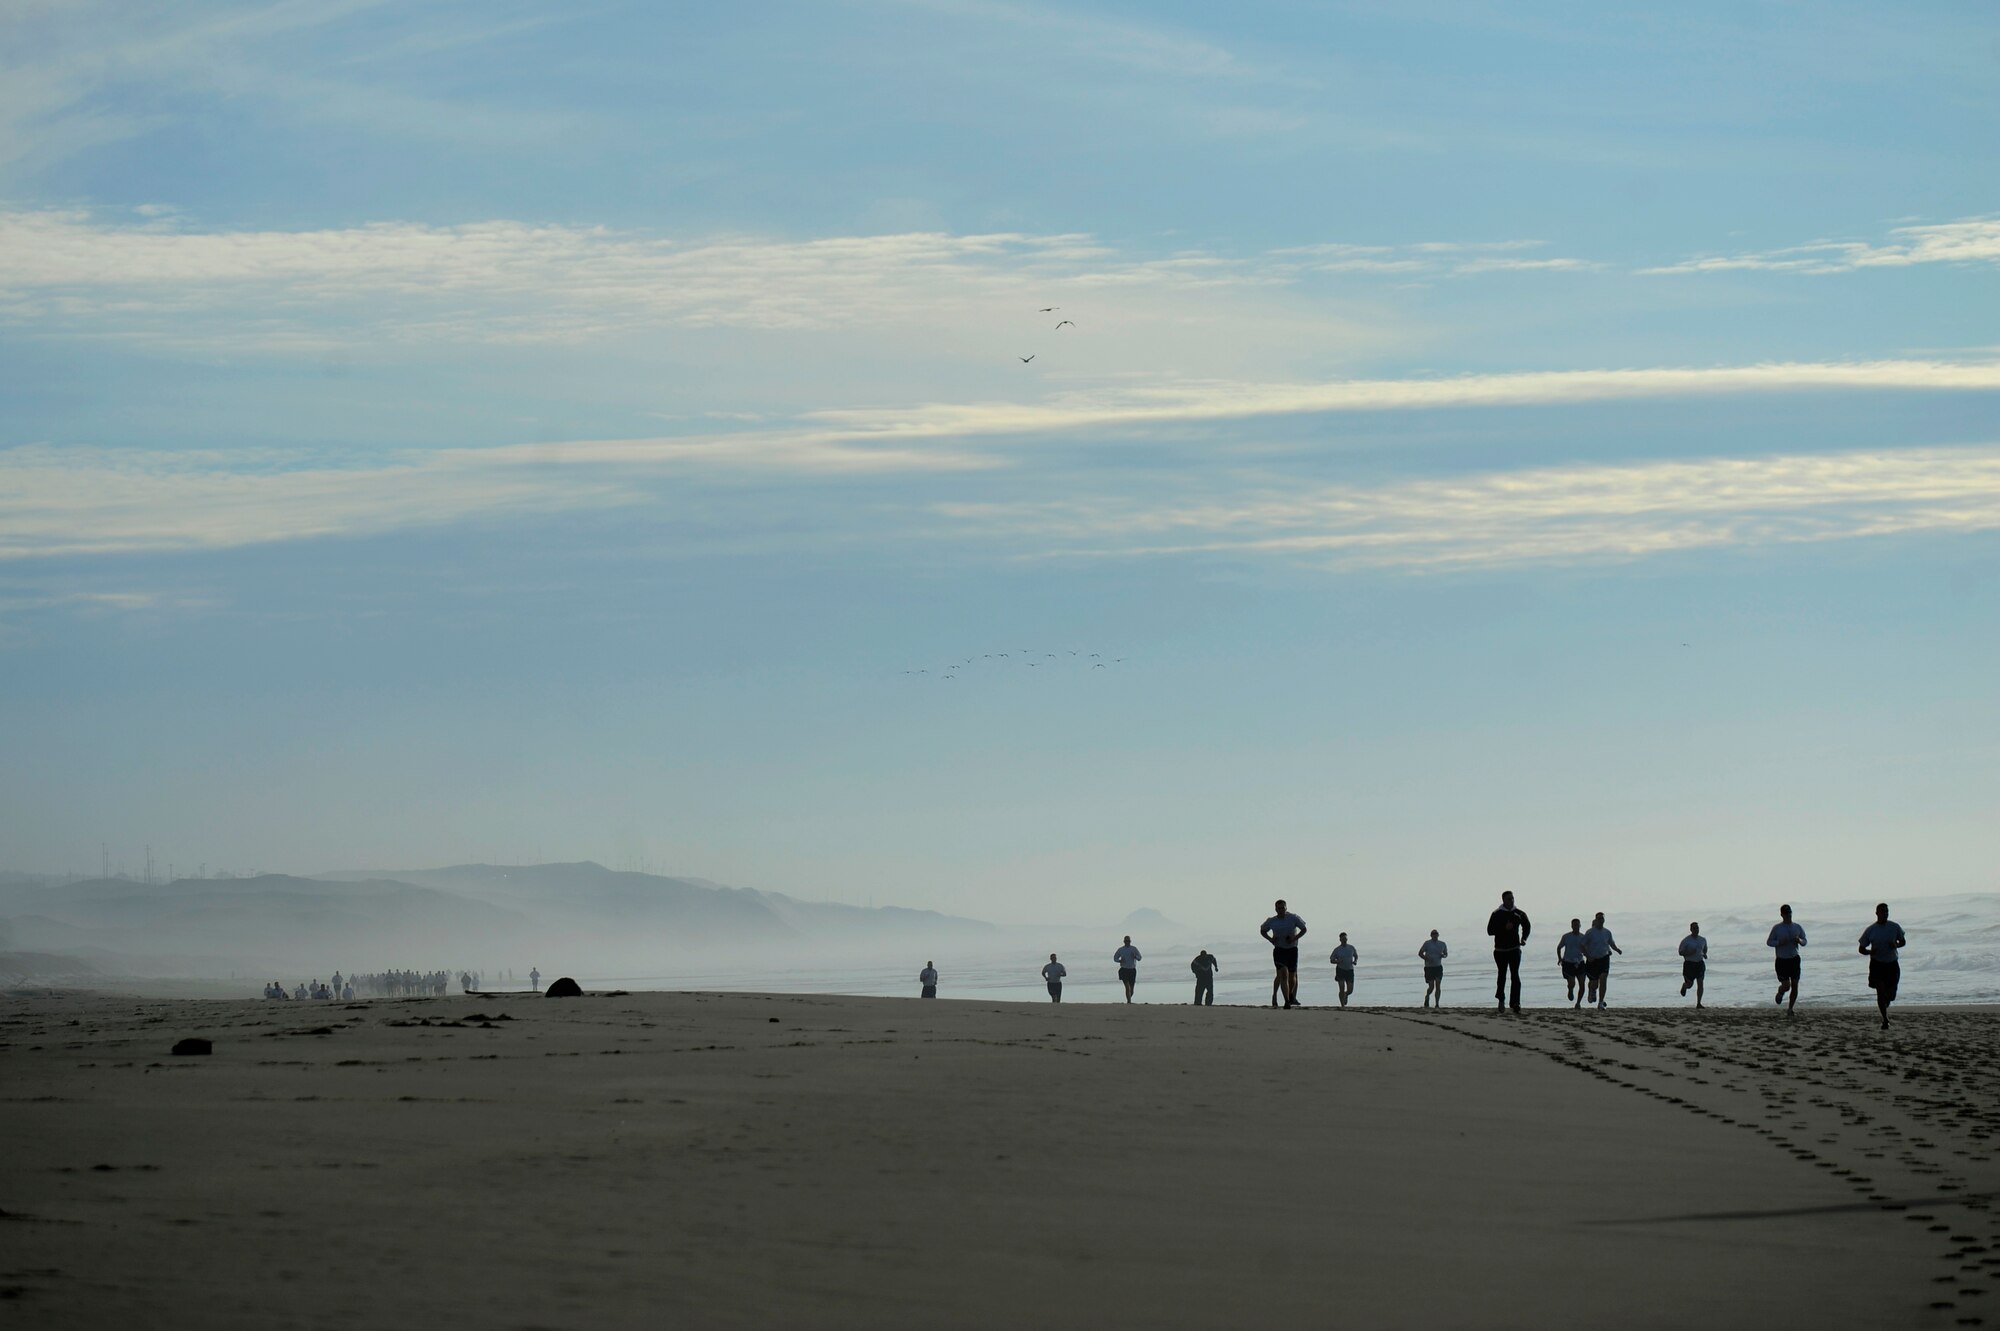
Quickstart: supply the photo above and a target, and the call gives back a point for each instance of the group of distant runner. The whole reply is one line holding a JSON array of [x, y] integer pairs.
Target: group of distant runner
[[1583, 954]]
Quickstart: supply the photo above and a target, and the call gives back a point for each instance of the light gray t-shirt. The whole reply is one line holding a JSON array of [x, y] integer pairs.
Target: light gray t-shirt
[[1345, 956], [1597, 943], [1788, 936], [1433, 952], [1694, 947], [1055, 970], [1126, 956]]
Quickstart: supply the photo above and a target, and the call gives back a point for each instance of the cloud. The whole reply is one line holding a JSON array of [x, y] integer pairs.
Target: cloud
[[1212, 400], [1970, 240], [77, 501], [74, 273], [1543, 515]]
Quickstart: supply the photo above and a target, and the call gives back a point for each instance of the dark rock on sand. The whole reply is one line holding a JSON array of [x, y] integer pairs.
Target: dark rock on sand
[[194, 1045], [564, 988]]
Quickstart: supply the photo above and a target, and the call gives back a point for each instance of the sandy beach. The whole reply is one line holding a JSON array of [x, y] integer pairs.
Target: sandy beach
[[747, 1160]]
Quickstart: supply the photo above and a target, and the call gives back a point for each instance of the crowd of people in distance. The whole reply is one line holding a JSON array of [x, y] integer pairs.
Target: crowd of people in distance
[[1584, 956], [384, 984]]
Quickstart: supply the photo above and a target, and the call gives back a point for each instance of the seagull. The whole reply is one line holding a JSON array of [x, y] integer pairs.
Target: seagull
[[1098, 666], [1048, 309], [1067, 323], [1026, 359]]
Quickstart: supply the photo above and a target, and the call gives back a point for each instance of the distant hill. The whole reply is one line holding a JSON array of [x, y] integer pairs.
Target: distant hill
[[257, 921], [1149, 921], [587, 896]]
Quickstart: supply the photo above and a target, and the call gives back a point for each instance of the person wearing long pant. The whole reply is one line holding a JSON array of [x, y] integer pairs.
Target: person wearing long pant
[[1508, 926], [1204, 968]]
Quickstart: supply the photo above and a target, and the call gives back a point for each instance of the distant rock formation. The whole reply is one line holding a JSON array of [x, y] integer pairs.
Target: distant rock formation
[[564, 988]]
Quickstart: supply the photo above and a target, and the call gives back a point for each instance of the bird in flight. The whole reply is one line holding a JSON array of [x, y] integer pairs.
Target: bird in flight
[[1049, 309], [1067, 323], [1026, 359]]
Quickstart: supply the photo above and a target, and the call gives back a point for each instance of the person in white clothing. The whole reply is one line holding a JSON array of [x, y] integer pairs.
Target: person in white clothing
[[1344, 958], [1787, 938], [1598, 945], [1128, 959], [1694, 962], [1053, 973], [1433, 953]]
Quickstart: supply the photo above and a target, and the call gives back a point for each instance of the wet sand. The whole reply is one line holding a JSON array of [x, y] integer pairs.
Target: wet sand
[[793, 1160]]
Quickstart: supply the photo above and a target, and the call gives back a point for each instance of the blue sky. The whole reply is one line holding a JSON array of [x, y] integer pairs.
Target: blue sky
[[1548, 447]]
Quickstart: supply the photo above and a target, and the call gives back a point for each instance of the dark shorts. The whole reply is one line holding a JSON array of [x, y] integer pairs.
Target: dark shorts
[[1572, 969], [1343, 974], [1055, 988], [1597, 967], [930, 991], [1433, 973], [1788, 968], [1128, 973], [1691, 969], [1286, 957], [1883, 977]]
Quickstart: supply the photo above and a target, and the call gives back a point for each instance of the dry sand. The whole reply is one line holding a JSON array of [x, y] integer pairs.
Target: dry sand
[[668, 1160]]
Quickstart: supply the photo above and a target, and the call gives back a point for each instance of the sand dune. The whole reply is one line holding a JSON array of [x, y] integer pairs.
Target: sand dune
[[792, 1160]]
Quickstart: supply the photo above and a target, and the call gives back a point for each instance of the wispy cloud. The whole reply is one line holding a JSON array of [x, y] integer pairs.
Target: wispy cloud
[[78, 274], [1563, 514], [1970, 240], [70, 501]]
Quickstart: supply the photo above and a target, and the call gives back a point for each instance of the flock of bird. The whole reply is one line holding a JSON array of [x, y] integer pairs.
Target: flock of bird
[[1028, 657], [1066, 323]]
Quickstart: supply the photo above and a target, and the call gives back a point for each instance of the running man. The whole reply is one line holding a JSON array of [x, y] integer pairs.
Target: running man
[[1343, 958], [1880, 943], [1204, 967], [1128, 960], [1569, 953], [1053, 973], [1283, 932], [927, 977], [1598, 945], [1433, 953], [1787, 938], [1509, 927], [1694, 963]]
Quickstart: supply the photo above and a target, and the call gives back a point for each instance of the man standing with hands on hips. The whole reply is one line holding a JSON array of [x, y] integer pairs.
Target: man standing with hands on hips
[[1509, 928], [1283, 932]]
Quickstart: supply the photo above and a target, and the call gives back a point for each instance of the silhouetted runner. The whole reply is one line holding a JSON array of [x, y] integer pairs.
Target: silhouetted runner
[[927, 977], [1128, 960], [1433, 952], [1787, 938], [1694, 962], [1598, 945], [1053, 973], [1283, 932], [1508, 925], [1204, 967], [1344, 959], [1569, 953], [1881, 942]]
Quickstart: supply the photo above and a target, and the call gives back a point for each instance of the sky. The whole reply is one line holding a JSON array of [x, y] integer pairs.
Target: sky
[[1535, 446]]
